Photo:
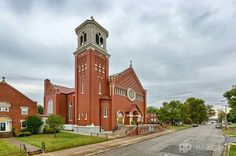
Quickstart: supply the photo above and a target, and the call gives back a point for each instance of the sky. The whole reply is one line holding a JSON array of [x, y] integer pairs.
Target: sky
[[179, 48]]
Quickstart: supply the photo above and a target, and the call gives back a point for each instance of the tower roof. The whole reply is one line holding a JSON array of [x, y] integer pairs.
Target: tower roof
[[91, 21]]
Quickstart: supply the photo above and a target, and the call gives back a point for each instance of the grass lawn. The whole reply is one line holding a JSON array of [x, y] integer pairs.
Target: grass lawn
[[231, 131], [232, 150], [7, 149], [180, 127], [62, 141]]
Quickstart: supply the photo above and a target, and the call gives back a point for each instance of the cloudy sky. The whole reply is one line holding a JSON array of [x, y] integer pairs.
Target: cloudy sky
[[179, 48]]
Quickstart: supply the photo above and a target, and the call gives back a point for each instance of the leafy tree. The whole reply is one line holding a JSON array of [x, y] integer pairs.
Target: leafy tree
[[231, 117], [152, 109], [231, 98], [55, 122], [210, 111], [197, 109], [33, 124], [221, 115], [170, 112], [40, 109], [184, 113]]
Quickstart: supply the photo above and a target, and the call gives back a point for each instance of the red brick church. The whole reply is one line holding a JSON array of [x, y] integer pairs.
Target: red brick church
[[97, 99]]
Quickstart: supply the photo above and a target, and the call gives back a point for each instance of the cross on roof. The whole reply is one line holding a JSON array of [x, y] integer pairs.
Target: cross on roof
[[130, 63], [3, 79]]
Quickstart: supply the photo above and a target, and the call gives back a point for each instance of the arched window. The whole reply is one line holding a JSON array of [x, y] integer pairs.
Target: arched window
[[71, 111], [101, 41], [99, 88], [50, 107], [81, 40], [85, 37], [97, 39]]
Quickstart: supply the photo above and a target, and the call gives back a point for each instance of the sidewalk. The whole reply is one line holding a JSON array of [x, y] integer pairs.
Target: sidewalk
[[105, 146], [19, 144]]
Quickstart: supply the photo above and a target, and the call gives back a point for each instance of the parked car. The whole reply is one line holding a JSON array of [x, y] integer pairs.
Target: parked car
[[195, 125], [219, 126]]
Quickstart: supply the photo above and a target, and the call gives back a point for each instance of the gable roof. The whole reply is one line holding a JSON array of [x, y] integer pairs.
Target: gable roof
[[64, 90], [123, 79], [17, 91]]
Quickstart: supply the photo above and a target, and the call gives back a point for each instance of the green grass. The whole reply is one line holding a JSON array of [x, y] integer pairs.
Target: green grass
[[63, 140], [231, 131], [179, 127], [232, 150], [7, 149]]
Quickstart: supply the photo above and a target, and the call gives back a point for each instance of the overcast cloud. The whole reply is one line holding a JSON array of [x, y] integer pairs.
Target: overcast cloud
[[179, 48]]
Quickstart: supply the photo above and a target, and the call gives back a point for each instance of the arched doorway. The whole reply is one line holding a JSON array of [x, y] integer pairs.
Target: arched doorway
[[136, 117], [120, 118], [5, 124]]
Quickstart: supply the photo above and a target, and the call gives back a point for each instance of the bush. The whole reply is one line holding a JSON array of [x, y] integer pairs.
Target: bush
[[55, 122], [48, 130], [33, 124], [23, 134], [188, 121]]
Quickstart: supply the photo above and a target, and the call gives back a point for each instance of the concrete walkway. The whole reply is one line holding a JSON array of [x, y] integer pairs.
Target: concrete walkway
[[19, 144], [105, 146]]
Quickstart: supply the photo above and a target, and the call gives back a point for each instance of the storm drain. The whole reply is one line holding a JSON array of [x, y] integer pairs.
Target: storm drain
[[174, 149]]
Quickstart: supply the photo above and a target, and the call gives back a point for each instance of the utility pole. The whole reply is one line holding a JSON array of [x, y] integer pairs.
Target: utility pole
[[226, 122]]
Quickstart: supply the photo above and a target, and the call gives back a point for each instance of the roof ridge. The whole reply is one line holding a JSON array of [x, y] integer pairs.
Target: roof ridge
[[18, 91]]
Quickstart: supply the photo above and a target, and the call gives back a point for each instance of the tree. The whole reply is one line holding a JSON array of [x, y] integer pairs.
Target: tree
[[231, 98], [221, 115], [33, 123], [197, 109], [231, 117], [170, 112], [210, 111], [184, 113], [152, 109], [55, 122], [40, 109]]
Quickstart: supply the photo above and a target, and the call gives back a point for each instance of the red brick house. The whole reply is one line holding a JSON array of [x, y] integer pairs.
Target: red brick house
[[15, 107], [151, 118], [97, 98]]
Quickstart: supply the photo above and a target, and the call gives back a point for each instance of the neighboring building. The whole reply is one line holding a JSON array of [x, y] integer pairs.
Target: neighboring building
[[15, 107], [97, 99], [151, 118]]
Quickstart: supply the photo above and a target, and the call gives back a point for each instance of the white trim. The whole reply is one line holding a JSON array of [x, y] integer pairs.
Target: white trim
[[99, 88], [5, 104], [21, 121], [24, 110], [82, 87], [105, 112]]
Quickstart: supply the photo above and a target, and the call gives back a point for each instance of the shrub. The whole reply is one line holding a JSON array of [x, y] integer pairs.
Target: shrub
[[33, 124], [55, 122], [23, 134], [48, 130], [188, 121]]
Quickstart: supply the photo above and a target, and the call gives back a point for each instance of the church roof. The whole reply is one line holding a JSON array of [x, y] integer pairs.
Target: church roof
[[15, 90], [128, 78], [64, 90]]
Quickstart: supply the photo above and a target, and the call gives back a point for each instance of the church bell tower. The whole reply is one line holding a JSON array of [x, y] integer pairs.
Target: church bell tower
[[91, 71]]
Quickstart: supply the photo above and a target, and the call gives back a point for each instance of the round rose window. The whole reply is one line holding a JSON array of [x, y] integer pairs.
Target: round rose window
[[131, 94]]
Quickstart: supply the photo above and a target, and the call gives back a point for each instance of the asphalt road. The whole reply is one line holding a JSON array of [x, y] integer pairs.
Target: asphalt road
[[204, 140]]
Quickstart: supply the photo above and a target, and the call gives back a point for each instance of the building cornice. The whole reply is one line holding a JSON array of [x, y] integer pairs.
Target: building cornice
[[91, 22], [91, 46]]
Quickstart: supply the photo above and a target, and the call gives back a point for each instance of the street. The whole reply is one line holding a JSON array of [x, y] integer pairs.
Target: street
[[204, 140]]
